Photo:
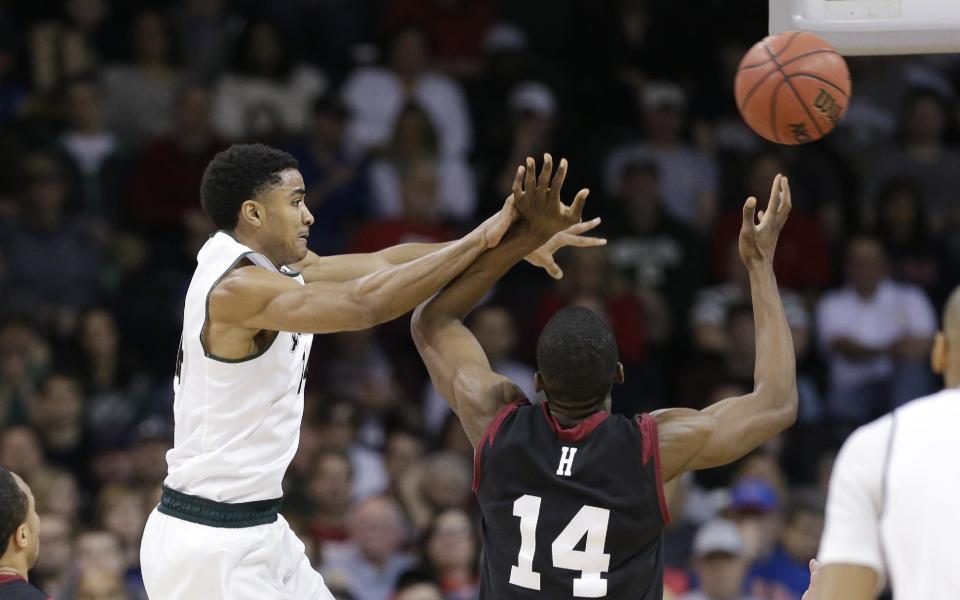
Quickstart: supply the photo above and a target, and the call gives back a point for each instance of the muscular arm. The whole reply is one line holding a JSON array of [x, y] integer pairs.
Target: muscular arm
[[729, 429], [345, 267], [255, 299], [844, 582], [454, 358]]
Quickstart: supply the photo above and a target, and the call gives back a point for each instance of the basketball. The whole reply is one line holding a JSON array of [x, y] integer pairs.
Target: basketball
[[792, 88]]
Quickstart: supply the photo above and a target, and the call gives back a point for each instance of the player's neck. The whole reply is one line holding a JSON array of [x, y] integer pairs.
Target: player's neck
[[250, 241], [570, 417], [10, 565]]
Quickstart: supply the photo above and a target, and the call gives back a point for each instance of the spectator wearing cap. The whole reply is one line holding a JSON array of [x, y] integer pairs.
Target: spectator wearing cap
[[375, 96], [754, 507], [720, 562], [19, 538], [785, 574], [689, 177], [532, 131]]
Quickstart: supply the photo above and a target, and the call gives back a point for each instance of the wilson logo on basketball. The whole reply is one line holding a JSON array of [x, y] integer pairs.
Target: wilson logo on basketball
[[827, 106]]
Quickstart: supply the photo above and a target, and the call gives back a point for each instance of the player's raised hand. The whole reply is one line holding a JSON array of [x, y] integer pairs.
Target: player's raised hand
[[571, 236], [537, 198], [760, 230]]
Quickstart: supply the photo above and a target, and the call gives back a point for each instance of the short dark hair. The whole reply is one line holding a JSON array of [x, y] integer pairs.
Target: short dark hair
[[577, 357], [13, 508], [236, 175]]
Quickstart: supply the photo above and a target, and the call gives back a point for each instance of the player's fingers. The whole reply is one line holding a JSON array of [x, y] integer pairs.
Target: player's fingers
[[518, 182], [749, 208], [543, 182], [774, 202], [576, 209], [530, 179], [786, 202], [554, 270], [583, 227], [585, 241], [760, 214], [557, 184]]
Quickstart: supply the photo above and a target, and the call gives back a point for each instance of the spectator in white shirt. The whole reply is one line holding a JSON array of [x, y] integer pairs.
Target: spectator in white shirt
[[267, 94], [876, 334], [377, 94]]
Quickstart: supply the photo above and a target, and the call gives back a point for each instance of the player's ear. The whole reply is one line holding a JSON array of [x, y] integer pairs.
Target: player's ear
[[22, 536], [537, 382], [251, 211], [619, 378], [938, 355]]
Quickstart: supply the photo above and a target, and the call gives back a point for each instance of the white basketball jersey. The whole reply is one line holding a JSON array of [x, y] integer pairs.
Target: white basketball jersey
[[237, 422]]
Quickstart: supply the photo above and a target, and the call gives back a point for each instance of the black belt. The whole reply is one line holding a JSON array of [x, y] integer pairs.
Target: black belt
[[218, 514]]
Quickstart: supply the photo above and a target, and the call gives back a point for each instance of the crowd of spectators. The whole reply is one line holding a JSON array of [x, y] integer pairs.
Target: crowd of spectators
[[408, 118]]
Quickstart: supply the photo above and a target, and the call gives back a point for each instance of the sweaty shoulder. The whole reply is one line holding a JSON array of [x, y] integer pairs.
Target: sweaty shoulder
[[245, 290]]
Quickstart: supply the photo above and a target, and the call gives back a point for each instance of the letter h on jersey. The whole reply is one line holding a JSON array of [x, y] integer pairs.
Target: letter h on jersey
[[566, 461]]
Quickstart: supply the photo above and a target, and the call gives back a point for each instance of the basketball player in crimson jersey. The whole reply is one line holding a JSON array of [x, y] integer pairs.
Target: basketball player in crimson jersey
[[255, 300], [549, 476]]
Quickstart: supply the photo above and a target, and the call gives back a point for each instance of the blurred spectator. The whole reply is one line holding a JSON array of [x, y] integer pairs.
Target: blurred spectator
[[52, 261], [53, 570], [661, 256], [58, 414], [876, 335], [19, 537], [267, 94], [785, 575], [403, 450], [122, 511], [442, 481], [329, 490], [456, 29], [371, 563], [336, 178], [496, 331], [94, 155], [376, 95], [420, 219], [414, 139], [72, 44], [58, 493], [451, 550], [720, 562], [338, 431], [20, 452], [13, 91], [754, 508], [206, 33], [165, 184], [119, 395], [531, 131], [922, 152], [690, 180], [98, 554], [710, 312], [24, 364], [902, 226], [140, 91], [97, 584], [416, 585], [802, 260]]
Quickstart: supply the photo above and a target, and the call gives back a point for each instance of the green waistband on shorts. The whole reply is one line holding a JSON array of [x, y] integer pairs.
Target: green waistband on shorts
[[218, 514]]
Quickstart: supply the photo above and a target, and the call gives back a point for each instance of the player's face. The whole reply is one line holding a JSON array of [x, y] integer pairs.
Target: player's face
[[287, 220]]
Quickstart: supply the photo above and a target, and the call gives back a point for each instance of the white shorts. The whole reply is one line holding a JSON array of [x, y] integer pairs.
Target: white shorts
[[181, 560]]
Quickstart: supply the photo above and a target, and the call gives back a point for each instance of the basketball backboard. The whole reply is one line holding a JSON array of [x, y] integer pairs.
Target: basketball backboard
[[864, 27]]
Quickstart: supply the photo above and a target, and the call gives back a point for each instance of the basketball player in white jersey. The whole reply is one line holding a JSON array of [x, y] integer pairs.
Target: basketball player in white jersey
[[895, 493], [255, 300]]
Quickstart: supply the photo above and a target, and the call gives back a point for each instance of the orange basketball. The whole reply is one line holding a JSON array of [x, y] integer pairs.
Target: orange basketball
[[792, 88]]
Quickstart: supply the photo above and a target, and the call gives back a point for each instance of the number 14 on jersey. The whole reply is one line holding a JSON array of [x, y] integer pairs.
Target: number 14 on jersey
[[592, 562]]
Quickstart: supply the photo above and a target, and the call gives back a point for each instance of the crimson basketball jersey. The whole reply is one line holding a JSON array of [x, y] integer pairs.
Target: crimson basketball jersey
[[570, 513]]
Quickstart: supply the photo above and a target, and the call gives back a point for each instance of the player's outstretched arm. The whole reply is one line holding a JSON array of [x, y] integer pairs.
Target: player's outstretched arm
[[254, 299], [457, 363], [729, 429]]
